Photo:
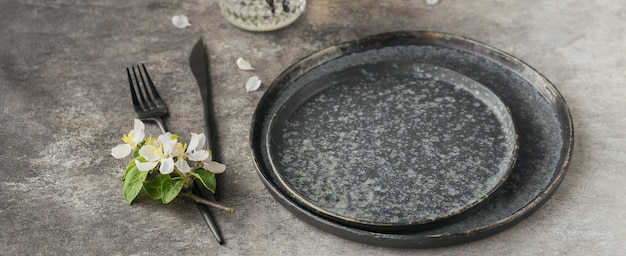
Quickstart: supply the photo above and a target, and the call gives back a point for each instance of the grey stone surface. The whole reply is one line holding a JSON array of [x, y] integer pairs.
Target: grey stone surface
[[64, 103]]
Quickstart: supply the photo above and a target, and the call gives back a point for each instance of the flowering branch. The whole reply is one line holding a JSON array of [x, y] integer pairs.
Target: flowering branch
[[161, 166], [207, 202]]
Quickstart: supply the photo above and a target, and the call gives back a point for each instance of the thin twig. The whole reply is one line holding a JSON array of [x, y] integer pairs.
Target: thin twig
[[207, 202]]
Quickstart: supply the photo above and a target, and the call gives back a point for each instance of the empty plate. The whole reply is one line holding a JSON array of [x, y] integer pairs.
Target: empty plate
[[385, 141], [298, 98]]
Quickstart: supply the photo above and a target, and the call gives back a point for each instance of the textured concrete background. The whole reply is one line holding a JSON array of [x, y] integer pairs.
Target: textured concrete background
[[64, 103]]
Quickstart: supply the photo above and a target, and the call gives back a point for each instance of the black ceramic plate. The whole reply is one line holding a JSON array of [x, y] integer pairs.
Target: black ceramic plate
[[282, 138], [388, 145]]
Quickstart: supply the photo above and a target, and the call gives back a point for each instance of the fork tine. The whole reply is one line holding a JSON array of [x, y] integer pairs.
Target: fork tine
[[146, 99], [133, 93], [144, 95], [153, 91]]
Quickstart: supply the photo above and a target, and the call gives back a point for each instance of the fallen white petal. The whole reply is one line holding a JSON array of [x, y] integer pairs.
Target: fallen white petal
[[253, 84], [180, 21], [243, 64]]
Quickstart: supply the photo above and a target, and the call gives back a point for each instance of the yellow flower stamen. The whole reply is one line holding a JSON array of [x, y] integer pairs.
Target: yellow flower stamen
[[158, 151], [181, 147], [128, 138], [150, 140]]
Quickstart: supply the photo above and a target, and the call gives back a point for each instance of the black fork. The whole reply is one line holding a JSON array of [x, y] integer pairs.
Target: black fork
[[146, 99]]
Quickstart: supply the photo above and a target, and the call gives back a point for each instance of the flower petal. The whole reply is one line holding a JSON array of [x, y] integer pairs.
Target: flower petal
[[197, 142], [253, 84], [168, 148], [164, 137], [121, 151], [145, 166], [139, 131], [167, 142], [199, 155], [180, 21], [167, 166], [243, 64], [215, 167], [176, 151], [148, 152], [182, 166]]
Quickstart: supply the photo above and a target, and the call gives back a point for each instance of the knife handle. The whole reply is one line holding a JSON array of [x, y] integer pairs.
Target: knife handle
[[208, 217]]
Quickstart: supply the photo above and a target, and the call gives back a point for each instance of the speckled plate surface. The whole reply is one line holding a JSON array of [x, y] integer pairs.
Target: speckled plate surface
[[302, 161], [387, 145]]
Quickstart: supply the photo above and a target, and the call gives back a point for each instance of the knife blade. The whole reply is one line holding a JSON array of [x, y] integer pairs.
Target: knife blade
[[199, 63]]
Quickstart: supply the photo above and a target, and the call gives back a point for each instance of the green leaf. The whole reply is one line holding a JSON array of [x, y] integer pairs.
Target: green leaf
[[131, 165], [207, 178], [171, 188], [164, 187], [133, 183], [153, 188]]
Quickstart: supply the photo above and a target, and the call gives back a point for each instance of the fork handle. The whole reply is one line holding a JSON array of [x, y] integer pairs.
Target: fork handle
[[159, 123]]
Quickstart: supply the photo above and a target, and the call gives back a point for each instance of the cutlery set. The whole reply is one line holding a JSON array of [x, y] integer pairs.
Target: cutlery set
[[149, 106]]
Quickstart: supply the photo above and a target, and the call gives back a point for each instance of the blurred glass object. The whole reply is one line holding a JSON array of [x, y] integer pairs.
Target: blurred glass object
[[262, 15]]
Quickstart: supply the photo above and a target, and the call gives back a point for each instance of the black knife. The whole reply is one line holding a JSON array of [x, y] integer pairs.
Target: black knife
[[199, 63]]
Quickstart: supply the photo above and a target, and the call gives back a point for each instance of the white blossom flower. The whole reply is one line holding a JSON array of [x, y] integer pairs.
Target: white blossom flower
[[196, 152], [162, 154], [132, 139]]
